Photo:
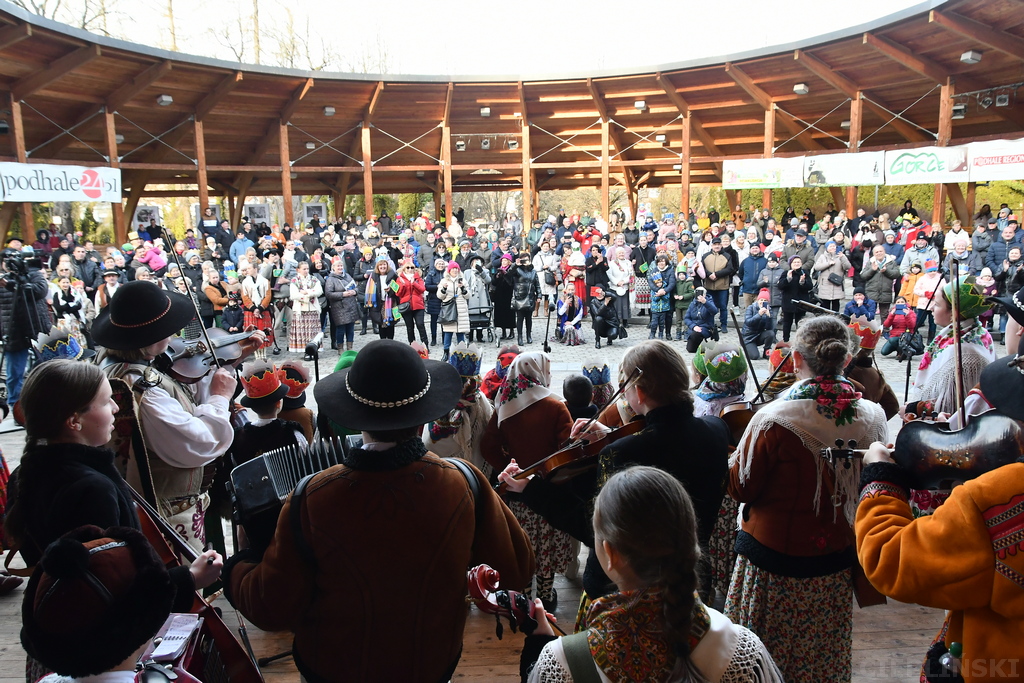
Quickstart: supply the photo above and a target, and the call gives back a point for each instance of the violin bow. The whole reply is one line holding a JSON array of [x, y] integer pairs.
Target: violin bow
[[957, 344], [743, 350], [760, 394], [632, 379], [195, 304]]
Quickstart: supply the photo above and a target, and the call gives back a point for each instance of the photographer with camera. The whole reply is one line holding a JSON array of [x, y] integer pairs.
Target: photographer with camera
[[758, 327], [700, 320], [23, 312]]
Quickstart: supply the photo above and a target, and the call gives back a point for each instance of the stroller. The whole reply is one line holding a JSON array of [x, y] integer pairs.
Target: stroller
[[480, 321]]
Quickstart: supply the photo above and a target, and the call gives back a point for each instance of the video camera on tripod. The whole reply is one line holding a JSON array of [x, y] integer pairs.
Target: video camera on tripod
[[18, 263]]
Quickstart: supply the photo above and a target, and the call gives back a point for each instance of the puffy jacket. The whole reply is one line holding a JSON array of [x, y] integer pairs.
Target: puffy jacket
[[998, 253], [343, 309], [525, 287], [866, 309], [684, 289], [980, 242], [750, 268], [878, 283], [792, 288], [897, 324], [826, 264], [914, 254], [411, 292], [431, 281], [754, 324], [701, 314], [768, 279]]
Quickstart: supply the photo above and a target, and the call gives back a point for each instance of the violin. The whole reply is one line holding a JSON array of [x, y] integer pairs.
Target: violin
[[188, 361], [937, 456], [520, 610], [219, 655]]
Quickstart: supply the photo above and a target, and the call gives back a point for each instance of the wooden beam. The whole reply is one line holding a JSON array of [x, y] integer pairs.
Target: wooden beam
[[602, 111], [367, 170], [201, 178], [800, 131], [133, 88], [110, 134], [673, 95], [994, 38], [769, 149], [374, 100], [7, 212], [972, 189], [956, 199], [446, 172], [61, 67], [217, 95], [18, 129], [14, 34], [286, 174], [684, 169], [827, 73], [244, 180], [945, 134], [746, 83], [909, 132], [856, 130], [529, 208], [605, 185], [522, 102], [448, 105]]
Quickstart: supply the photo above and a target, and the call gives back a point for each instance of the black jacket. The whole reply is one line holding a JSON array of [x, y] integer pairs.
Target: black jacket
[[20, 325], [525, 287], [693, 450], [606, 319], [791, 289]]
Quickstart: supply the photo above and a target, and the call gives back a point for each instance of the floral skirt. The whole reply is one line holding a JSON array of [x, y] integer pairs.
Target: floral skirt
[[641, 292], [722, 546], [570, 336], [552, 548], [806, 624], [304, 326]]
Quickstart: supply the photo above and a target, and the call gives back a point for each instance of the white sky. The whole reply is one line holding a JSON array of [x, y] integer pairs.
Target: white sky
[[453, 37]]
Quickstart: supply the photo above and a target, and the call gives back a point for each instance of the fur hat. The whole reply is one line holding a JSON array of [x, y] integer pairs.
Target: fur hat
[[96, 597]]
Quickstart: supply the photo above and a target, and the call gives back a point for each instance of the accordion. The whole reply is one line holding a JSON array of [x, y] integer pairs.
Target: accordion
[[259, 487]]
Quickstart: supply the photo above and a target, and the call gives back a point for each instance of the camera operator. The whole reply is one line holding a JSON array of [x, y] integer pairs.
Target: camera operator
[[758, 331], [23, 313]]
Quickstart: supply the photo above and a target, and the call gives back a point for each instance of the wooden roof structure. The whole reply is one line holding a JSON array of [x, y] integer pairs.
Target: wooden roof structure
[[239, 130]]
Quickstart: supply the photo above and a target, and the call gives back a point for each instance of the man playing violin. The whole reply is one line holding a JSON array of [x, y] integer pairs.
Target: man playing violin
[[180, 430], [694, 450]]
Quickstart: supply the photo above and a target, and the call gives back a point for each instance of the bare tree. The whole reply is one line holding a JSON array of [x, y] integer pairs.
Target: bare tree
[[233, 36], [170, 20], [91, 15]]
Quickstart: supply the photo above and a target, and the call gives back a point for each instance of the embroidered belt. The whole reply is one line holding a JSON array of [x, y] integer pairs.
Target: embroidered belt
[[179, 505]]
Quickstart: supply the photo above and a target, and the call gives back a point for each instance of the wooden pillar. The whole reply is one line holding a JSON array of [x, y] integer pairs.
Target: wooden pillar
[[286, 175], [972, 189], [28, 227], [684, 170], [438, 197], [856, 127], [945, 133], [446, 171], [117, 208], [367, 171], [605, 182], [529, 207], [201, 177], [769, 151]]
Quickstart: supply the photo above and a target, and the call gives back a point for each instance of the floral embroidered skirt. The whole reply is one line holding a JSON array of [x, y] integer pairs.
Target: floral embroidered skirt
[[304, 327], [261, 322], [553, 548], [806, 624], [570, 336], [722, 546], [641, 292]]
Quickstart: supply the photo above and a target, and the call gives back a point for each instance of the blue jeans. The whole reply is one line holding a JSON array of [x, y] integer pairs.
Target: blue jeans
[[16, 362], [721, 299], [446, 339]]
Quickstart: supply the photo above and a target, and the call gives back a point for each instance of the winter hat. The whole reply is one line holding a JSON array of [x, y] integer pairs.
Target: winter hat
[[763, 295], [931, 265], [452, 265], [96, 597], [790, 259]]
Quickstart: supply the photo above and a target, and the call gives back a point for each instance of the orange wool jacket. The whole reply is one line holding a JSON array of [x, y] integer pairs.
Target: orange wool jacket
[[967, 558]]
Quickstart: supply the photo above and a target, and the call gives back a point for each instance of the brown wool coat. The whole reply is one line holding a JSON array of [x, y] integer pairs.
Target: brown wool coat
[[528, 436]]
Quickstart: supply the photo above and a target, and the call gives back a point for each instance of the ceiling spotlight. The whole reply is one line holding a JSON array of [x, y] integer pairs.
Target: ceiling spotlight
[[460, 146], [970, 57], [677, 167], [485, 111], [164, 100], [801, 89], [328, 111], [517, 114], [1003, 100], [310, 145], [294, 176], [420, 174], [845, 125], [485, 143], [985, 101], [959, 111], [513, 144], [660, 137], [551, 171], [640, 105], [118, 139]]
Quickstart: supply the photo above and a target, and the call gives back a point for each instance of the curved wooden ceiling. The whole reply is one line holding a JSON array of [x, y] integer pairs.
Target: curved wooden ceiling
[[65, 77]]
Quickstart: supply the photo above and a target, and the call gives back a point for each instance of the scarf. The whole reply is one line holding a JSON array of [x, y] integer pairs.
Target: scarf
[[709, 391], [819, 411], [970, 333], [370, 299], [526, 383]]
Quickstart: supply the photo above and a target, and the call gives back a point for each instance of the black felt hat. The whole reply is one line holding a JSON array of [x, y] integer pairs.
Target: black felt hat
[[96, 597], [388, 387], [1002, 385], [1014, 305], [140, 314]]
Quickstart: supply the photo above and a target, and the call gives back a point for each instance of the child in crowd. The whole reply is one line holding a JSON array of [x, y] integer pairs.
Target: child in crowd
[[682, 296], [989, 287], [660, 304], [232, 317], [578, 393], [264, 395]]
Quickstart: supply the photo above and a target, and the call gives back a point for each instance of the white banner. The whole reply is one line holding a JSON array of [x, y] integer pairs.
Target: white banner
[[57, 183], [845, 170], [926, 165], [744, 174], [996, 160]]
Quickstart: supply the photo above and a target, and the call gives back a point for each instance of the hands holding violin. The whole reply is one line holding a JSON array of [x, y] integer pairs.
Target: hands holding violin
[[595, 432], [254, 342], [507, 477]]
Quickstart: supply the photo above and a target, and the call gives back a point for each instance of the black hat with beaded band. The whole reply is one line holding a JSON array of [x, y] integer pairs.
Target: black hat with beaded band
[[1002, 385], [140, 314], [262, 385], [1014, 305], [96, 597], [387, 387]]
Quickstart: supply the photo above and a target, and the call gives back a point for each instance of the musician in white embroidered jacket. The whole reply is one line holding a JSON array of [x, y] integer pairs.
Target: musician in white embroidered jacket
[[184, 428]]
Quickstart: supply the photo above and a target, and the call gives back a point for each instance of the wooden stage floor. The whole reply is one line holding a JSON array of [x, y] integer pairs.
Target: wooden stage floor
[[889, 642]]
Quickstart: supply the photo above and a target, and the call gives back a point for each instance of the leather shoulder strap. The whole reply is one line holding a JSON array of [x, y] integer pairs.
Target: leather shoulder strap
[[578, 657], [471, 481]]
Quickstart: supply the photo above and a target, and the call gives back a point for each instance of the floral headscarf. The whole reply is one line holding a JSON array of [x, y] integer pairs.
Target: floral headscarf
[[526, 383]]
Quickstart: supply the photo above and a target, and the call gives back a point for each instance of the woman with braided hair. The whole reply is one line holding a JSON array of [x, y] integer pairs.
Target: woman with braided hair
[[654, 627]]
